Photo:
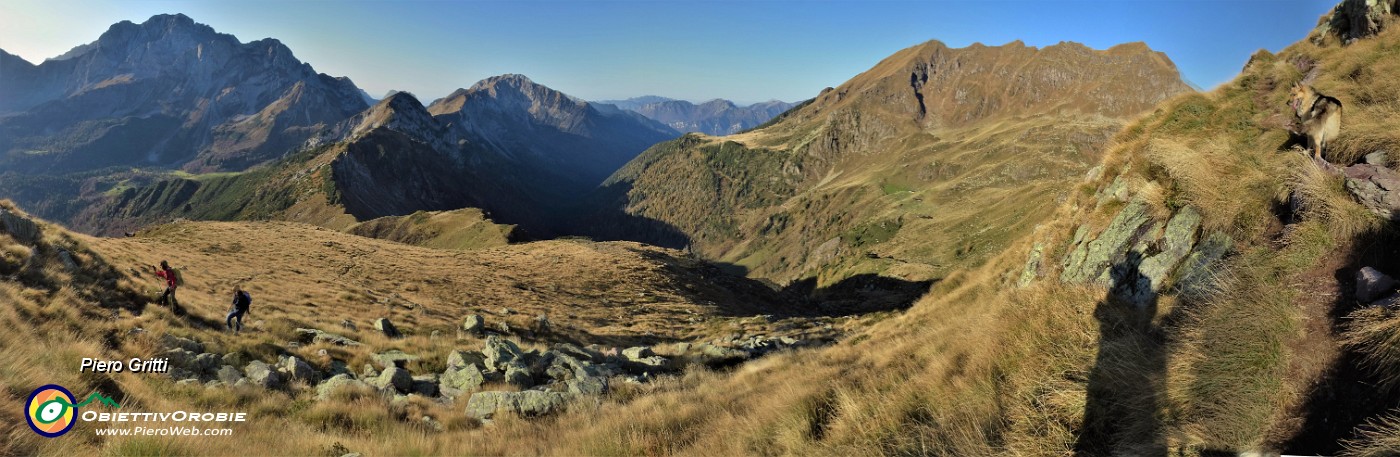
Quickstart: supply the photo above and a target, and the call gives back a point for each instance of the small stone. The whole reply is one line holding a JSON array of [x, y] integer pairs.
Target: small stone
[[1371, 284]]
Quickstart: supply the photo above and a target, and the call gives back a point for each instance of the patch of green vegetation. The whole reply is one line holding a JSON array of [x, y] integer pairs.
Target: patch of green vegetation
[[1191, 114], [873, 232], [891, 187]]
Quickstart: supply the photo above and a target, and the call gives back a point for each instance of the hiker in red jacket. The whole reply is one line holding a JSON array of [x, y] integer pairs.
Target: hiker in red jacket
[[172, 281]]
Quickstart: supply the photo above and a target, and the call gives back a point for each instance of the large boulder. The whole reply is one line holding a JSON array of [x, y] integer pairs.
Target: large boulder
[[474, 324], [500, 353], [335, 383], [426, 385], [262, 374], [466, 378], [205, 364], [383, 325], [19, 227], [485, 405], [519, 375], [1371, 284], [397, 378], [298, 369]]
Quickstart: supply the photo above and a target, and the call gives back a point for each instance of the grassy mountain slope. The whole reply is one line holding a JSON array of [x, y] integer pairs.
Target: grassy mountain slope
[[304, 276], [934, 159], [1268, 352]]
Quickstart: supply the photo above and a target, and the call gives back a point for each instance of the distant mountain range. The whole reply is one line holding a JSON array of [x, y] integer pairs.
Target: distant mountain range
[[714, 117], [93, 138]]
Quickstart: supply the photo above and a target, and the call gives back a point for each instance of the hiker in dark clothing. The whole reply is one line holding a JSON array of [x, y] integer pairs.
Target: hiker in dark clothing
[[172, 281], [241, 302]]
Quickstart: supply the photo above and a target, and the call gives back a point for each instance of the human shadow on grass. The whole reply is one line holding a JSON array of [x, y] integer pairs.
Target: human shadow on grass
[[1127, 384]]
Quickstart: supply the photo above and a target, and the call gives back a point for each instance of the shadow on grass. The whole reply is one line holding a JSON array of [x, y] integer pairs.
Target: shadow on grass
[[1127, 383]]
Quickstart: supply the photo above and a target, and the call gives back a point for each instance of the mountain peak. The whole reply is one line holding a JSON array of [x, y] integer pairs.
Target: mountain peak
[[512, 79]]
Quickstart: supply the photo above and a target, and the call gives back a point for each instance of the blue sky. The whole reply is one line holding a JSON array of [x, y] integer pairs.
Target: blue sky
[[697, 50]]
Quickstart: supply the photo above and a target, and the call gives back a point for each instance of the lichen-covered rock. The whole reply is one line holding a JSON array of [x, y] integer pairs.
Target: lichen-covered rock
[[589, 385], [397, 378], [171, 341], [425, 385], [1196, 271], [460, 359], [474, 324], [1355, 19], [465, 378], [637, 353], [486, 405], [1177, 240], [520, 376], [229, 375], [500, 352], [335, 383], [1031, 271], [262, 374]]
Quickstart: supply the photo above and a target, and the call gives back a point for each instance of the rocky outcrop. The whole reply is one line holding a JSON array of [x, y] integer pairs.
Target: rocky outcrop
[[21, 228], [1356, 19], [1138, 258], [1376, 187], [501, 353], [167, 92]]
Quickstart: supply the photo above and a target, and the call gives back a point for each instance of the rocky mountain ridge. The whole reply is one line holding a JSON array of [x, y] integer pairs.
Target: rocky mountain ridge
[[714, 117], [167, 92]]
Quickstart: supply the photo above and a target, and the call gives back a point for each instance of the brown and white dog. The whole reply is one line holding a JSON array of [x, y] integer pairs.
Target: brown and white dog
[[1319, 117]]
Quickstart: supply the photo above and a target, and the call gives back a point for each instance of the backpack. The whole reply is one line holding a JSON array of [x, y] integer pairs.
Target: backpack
[[179, 277], [244, 300]]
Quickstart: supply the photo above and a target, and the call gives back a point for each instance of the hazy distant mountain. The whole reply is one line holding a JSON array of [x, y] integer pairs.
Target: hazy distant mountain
[[167, 92], [633, 103], [715, 117], [553, 131]]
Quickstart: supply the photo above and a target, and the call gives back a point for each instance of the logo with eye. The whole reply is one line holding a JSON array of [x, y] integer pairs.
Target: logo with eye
[[50, 411]]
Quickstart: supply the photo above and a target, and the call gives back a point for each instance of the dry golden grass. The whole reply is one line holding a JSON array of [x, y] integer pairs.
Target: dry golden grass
[[1378, 438]]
